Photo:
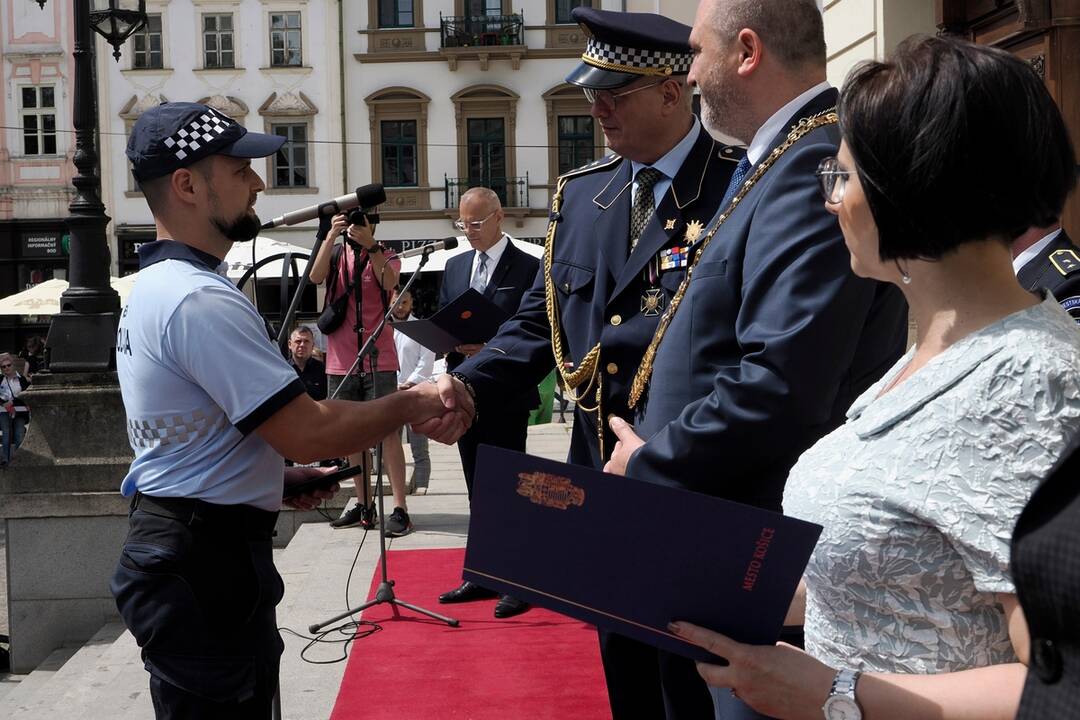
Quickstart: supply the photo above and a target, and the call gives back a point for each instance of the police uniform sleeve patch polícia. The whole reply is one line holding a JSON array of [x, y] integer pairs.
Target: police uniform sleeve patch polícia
[[1072, 306]]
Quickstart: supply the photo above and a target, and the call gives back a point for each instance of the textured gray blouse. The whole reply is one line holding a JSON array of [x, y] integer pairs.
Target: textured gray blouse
[[918, 493]]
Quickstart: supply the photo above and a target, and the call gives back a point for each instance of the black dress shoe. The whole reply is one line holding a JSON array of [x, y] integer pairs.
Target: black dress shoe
[[509, 606], [466, 592]]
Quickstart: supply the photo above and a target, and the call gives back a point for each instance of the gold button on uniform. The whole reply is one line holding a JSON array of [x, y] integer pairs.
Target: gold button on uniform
[[616, 319], [612, 368]]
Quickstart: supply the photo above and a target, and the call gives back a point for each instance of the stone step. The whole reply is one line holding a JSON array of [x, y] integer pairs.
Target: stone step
[[47, 696], [115, 686], [69, 694], [26, 693]]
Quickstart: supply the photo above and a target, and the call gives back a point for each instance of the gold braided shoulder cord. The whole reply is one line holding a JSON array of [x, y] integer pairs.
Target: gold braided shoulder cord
[[644, 372], [587, 368]]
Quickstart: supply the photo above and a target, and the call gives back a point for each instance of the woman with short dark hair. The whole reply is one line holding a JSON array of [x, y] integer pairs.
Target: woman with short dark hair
[[950, 151]]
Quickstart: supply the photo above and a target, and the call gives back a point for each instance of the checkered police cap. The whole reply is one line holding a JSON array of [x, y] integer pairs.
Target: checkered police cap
[[625, 46], [174, 135]]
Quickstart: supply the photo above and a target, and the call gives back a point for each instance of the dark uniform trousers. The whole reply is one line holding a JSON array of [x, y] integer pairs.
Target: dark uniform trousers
[[197, 587], [602, 289]]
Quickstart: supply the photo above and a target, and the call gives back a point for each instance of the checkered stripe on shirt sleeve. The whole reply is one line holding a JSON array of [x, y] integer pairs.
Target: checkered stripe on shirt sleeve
[[196, 133], [678, 62], [174, 429]]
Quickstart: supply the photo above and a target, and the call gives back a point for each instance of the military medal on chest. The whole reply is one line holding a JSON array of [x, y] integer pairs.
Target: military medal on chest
[[653, 302]]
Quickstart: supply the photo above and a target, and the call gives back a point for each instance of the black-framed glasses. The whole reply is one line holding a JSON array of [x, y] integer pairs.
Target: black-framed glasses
[[832, 179], [474, 225], [608, 98]]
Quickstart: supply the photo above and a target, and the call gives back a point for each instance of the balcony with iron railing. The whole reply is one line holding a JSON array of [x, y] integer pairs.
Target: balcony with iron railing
[[513, 192], [483, 38]]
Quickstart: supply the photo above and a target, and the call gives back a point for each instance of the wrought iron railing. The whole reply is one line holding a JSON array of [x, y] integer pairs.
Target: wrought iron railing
[[512, 191], [481, 30]]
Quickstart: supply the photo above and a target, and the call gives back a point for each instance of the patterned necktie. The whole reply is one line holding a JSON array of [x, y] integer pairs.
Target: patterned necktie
[[644, 203], [480, 277], [737, 177]]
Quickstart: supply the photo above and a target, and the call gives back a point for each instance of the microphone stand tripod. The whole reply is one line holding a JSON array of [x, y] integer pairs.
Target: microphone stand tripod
[[385, 592]]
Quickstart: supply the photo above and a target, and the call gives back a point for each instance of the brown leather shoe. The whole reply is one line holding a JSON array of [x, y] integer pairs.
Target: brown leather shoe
[[466, 592], [509, 606]]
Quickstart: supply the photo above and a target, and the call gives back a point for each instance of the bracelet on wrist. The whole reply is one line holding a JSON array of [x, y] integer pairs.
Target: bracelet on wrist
[[472, 393]]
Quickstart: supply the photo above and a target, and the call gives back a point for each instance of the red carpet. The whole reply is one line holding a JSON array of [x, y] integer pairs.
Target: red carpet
[[537, 665]]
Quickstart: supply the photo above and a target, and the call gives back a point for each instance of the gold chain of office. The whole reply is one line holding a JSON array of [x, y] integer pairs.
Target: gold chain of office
[[644, 372]]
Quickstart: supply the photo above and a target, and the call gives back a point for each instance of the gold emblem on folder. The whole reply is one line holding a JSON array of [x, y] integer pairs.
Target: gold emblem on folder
[[553, 491]]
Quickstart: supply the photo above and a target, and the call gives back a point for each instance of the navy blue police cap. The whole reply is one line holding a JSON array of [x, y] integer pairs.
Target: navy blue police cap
[[623, 47], [174, 135]]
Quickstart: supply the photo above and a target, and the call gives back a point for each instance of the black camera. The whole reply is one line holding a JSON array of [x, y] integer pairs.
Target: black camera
[[357, 215]]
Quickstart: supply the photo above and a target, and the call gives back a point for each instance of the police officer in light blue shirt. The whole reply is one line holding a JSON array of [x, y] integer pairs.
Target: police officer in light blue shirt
[[196, 584]]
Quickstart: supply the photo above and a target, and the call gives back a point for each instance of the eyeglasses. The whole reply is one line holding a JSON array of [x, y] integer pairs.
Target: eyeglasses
[[5, 366], [474, 225], [832, 179], [608, 98]]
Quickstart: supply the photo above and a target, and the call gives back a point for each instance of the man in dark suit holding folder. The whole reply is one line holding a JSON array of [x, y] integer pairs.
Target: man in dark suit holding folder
[[502, 273]]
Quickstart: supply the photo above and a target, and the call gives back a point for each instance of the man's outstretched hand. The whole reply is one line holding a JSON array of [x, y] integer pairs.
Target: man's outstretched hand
[[447, 420]]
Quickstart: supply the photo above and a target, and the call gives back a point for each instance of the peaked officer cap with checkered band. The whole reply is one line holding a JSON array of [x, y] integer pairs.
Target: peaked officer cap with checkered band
[[623, 47], [174, 135]]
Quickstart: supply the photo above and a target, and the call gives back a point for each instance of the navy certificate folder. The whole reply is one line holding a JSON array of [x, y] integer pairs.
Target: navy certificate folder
[[576, 541], [469, 318]]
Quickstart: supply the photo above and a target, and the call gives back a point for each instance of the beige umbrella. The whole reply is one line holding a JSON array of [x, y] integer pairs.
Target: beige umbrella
[[44, 298]]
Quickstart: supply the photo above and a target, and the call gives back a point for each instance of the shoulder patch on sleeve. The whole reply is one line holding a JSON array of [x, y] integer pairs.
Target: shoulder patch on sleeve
[[1072, 304], [1066, 261]]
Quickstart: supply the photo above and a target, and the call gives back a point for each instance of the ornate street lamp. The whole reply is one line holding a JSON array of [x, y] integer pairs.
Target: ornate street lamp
[[82, 337], [117, 20]]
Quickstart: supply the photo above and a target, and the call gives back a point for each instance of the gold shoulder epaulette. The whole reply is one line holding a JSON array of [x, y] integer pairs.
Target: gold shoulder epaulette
[[1065, 260], [604, 162]]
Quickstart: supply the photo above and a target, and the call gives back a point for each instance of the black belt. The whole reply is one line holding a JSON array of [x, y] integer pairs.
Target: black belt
[[244, 520]]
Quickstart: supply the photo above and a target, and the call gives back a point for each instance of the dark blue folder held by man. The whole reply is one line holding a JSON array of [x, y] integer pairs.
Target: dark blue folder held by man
[[572, 539], [467, 319]]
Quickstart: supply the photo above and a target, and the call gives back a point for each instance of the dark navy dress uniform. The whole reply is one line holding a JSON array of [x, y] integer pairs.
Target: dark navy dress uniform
[[606, 296], [599, 285], [1056, 268], [504, 424], [773, 340]]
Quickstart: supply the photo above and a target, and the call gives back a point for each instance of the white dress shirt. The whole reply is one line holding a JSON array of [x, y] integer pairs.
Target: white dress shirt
[[494, 254], [415, 362]]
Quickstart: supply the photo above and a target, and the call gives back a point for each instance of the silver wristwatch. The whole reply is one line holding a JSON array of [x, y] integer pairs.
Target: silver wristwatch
[[841, 705]]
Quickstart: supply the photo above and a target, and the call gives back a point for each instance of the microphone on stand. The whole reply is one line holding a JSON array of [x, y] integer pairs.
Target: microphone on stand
[[448, 244], [368, 196]]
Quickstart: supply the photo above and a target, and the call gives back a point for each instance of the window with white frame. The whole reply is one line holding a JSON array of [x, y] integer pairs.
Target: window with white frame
[[564, 7], [285, 50], [38, 112], [218, 41], [291, 160], [146, 45]]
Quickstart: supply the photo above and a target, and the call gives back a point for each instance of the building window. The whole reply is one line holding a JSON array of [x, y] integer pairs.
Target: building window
[[563, 8], [147, 45], [479, 8], [218, 41], [285, 40], [39, 120], [396, 14], [577, 144], [291, 161], [398, 153]]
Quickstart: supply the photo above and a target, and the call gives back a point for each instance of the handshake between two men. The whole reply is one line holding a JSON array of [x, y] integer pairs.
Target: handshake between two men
[[307, 430]]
